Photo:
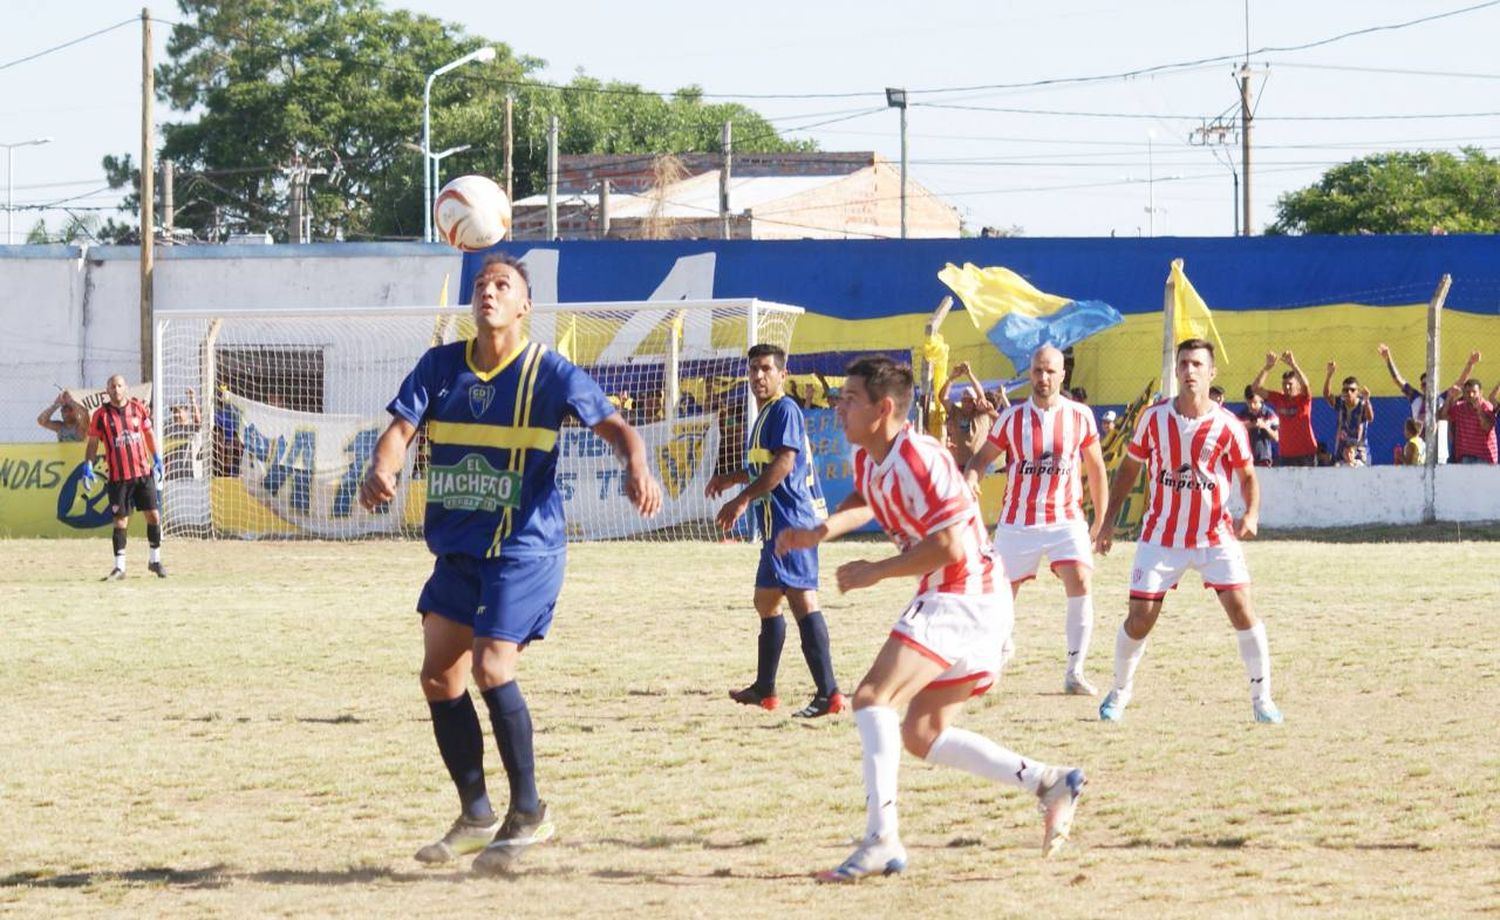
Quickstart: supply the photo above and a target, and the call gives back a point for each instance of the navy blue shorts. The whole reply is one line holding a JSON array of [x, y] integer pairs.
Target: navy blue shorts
[[798, 569], [509, 598]]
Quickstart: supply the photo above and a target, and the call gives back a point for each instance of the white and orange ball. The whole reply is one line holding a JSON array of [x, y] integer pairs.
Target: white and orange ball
[[471, 213]]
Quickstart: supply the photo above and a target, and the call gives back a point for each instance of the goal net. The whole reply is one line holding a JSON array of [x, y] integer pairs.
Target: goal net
[[272, 415]]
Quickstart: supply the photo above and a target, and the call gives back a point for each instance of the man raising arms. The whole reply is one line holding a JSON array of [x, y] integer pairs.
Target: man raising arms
[[783, 488], [1192, 448], [946, 645], [1046, 439], [492, 407]]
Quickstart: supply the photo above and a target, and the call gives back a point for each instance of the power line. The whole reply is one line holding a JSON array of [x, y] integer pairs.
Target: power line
[[68, 44], [1008, 110]]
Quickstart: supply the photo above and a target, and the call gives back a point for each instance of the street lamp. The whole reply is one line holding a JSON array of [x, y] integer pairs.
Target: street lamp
[[486, 53], [10, 213], [437, 163], [895, 98]]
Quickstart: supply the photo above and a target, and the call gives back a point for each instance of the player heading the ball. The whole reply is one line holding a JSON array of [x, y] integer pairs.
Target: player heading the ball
[[493, 406], [945, 647], [1192, 447]]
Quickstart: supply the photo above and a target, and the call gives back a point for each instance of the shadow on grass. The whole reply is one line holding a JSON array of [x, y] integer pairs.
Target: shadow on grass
[[219, 876], [683, 841]]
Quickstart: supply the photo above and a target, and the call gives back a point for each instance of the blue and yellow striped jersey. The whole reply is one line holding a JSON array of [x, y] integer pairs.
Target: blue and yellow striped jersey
[[492, 479], [797, 501]]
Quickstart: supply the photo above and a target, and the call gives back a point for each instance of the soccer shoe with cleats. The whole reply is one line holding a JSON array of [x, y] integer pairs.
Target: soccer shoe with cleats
[[750, 696], [158, 569], [519, 832], [1266, 711], [114, 575], [822, 706], [1113, 707], [1057, 798], [464, 837], [876, 856], [1078, 685]]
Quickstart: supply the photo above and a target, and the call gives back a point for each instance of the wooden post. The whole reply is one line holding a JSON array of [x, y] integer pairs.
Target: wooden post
[[603, 209], [552, 128], [726, 142], [510, 186], [1169, 347], [148, 196], [1430, 397]]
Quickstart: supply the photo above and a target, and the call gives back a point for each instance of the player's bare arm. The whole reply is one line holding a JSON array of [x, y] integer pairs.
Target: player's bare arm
[[1098, 476], [719, 483], [1249, 525], [974, 470], [379, 485], [641, 487], [851, 514], [781, 466], [929, 554], [1119, 490]]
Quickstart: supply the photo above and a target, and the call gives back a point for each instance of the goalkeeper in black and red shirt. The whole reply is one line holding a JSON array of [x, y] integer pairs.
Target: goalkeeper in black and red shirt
[[123, 425]]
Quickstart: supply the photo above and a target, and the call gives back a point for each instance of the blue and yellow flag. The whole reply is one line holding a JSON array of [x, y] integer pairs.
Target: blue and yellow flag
[[1017, 318], [1190, 316]]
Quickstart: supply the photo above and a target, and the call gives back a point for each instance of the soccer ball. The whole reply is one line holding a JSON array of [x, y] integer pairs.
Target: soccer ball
[[471, 213]]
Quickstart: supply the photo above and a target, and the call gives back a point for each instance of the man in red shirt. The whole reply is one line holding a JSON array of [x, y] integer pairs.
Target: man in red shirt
[[1293, 406], [123, 425], [1472, 418], [1192, 450]]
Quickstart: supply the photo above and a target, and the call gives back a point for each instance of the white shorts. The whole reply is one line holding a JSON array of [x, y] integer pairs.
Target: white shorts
[[1021, 548], [1157, 569], [962, 632]]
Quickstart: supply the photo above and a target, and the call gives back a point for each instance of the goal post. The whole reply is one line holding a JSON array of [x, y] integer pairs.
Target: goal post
[[270, 416]]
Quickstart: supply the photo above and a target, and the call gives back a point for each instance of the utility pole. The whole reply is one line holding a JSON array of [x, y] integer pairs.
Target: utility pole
[[168, 195], [510, 189], [148, 196], [294, 201], [1215, 134], [552, 127], [1245, 119], [726, 149], [603, 209]]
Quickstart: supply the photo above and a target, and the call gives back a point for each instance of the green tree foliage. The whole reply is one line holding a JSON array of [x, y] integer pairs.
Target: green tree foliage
[[1401, 192], [336, 85]]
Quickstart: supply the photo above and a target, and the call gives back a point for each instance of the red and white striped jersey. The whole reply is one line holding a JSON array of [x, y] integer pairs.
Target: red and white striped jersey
[[1044, 447], [1190, 464], [918, 490]]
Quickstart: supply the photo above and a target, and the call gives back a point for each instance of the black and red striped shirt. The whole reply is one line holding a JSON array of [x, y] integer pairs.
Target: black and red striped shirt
[[122, 431]]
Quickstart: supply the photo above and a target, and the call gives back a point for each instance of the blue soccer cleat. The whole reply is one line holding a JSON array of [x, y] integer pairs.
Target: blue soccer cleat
[[1057, 797], [876, 856], [1113, 707]]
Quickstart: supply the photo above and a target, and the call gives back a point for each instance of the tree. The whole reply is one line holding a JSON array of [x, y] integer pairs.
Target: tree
[[1399, 192], [335, 87]]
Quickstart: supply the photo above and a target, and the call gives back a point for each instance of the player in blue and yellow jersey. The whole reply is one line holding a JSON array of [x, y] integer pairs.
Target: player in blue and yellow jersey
[[492, 407], [781, 491]]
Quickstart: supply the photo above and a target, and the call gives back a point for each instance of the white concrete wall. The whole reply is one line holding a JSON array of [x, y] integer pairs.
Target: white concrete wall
[[1341, 497]]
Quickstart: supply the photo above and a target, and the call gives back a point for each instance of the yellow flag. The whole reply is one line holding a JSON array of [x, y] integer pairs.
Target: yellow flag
[[988, 294], [934, 353], [443, 294], [1191, 318]]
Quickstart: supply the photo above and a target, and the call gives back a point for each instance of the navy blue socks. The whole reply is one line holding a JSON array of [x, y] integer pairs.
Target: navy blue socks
[[768, 649], [814, 630], [512, 723], [459, 740]]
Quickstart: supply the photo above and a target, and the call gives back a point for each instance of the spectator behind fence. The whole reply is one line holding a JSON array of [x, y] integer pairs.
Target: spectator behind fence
[[1351, 456], [1107, 423], [1417, 398], [179, 437], [1216, 393], [1263, 426], [970, 418], [1414, 451], [73, 423], [1354, 414], [1079, 395], [1294, 407], [1472, 418]]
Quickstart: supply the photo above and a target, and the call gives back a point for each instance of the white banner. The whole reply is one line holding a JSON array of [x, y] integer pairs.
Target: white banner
[[306, 468]]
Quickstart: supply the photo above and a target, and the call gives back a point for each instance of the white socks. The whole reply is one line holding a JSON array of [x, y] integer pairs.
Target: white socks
[[156, 554], [977, 754], [1080, 629], [1257, 658], [880, 738], [120, 561], [1128, 654]]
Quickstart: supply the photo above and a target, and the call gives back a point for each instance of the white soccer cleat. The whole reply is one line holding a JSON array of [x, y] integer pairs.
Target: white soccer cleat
[[463, 838], [1078, 685], [1266, 711], [876, 856], [1057, 798], [1113, 707]]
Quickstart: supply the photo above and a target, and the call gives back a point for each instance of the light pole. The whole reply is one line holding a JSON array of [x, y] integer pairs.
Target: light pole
[[486, 53], [10, 213], [895, 98], [437, 163]]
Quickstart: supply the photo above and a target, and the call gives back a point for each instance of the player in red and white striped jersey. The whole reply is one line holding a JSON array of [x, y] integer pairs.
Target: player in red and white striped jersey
[[1046, 439], [1192, 448], [123, 426], [945, 648]]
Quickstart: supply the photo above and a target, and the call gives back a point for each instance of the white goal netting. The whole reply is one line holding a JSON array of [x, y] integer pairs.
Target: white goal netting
[[272, 415]]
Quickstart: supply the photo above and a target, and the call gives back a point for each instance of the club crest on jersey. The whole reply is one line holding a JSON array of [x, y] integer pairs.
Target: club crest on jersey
[[480, 397]]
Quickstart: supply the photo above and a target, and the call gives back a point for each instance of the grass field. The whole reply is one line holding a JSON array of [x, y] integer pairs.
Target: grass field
[[247, 738]]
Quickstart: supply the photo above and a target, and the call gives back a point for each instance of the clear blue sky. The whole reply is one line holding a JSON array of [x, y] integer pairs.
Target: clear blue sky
[[1049, 174]]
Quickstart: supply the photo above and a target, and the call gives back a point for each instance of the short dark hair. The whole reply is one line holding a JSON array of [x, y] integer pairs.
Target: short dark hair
[[1080, 394], [1195, 344], [505, 258], [1413, 426], [1471, 382], [1288, 375], [1250, 392], [1216, 390], [777, 353], [1351, 380], [884, 377]]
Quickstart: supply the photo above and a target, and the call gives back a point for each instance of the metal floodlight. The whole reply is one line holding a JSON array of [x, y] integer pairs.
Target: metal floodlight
[[895, 98]]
